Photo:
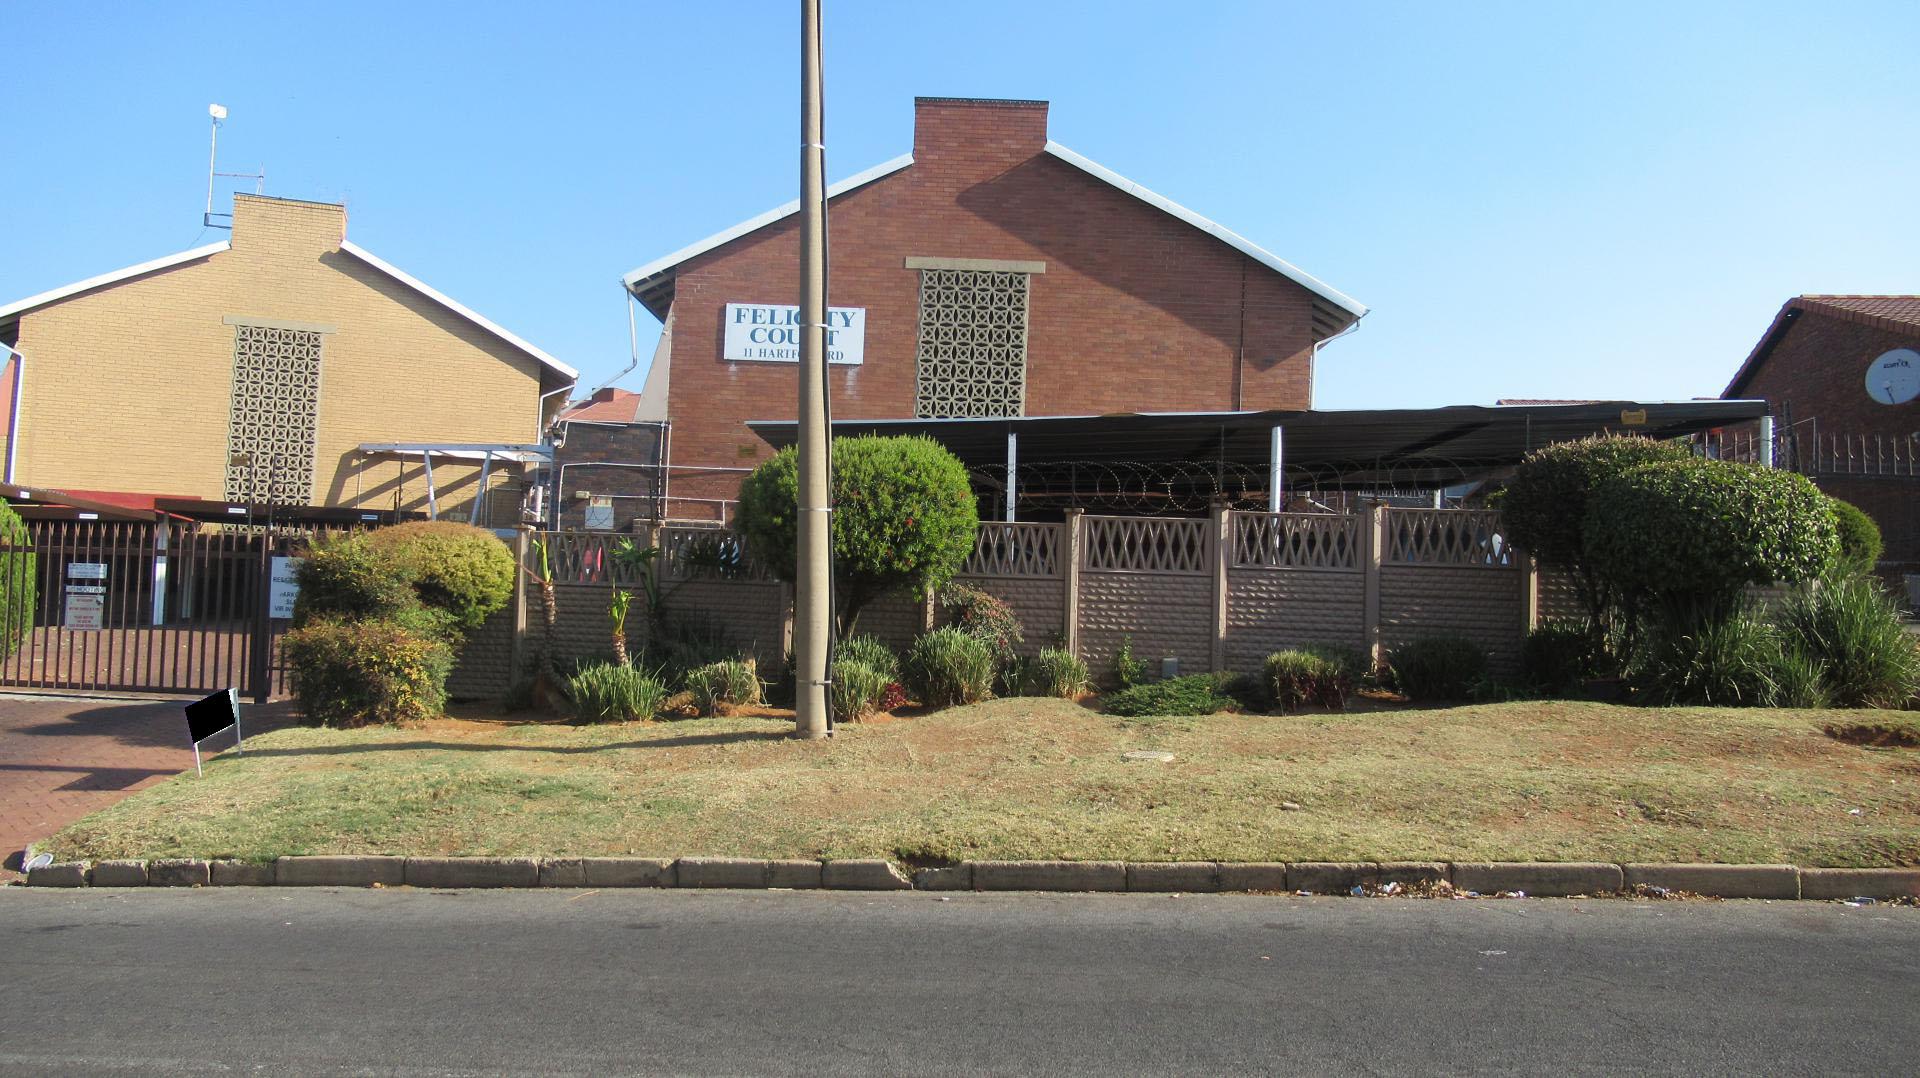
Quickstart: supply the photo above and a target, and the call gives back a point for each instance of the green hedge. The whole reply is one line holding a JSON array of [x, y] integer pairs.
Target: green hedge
[[360, 673], [1860, 544], [465, 571], [1696, 533], [19, 581]]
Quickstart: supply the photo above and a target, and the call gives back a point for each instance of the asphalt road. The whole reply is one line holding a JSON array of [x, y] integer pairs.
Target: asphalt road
[[559, 982]]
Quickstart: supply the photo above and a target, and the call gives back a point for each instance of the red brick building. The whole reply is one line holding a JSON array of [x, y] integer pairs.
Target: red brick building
[[1842, 374], [991, 272]]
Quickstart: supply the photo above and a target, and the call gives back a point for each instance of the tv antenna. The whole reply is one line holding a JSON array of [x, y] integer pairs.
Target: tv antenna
[[219, 113]]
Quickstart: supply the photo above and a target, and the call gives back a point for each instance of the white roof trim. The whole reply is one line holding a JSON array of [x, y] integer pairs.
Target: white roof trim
[[1212, 228], [58, 294], [661, 265], [456, 307]]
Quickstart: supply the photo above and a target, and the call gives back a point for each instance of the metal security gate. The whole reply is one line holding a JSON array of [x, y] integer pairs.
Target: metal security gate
[[146, 607]]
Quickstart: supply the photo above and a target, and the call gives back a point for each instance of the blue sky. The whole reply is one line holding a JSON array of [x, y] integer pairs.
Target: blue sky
[[1535, 200]]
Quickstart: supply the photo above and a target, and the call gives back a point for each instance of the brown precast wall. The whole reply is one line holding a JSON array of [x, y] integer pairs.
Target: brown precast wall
[[894, 620], [1039, 603], [1559, 600], [1451, 571], [1269, 610], [1148, 580], [484, 669], [752, 613]]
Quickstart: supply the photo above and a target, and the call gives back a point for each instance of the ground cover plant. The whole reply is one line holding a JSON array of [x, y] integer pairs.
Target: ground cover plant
[[1300, 677], [1037, 778], [1194, 694], [719, 687], [1055, 672], [1439, 667]]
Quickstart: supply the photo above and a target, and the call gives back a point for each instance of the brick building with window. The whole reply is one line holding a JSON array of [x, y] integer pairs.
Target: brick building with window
[[1841, 376], [270, 369], [991, 272]]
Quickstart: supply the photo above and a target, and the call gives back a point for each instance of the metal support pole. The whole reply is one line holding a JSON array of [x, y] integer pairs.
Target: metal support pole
[[812, 599], [433, 497], [480, 499], [1766, 441], [1013, 473], [1276, 471]]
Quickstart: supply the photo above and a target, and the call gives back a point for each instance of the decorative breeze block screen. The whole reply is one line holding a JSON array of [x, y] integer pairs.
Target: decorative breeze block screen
[[276, 406], [972, 351]]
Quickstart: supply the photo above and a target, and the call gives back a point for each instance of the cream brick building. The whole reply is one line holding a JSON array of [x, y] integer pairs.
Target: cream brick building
[[257, 369]]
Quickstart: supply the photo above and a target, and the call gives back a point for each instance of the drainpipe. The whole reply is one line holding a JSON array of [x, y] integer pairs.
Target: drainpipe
[[13, 412], [1313, 360]]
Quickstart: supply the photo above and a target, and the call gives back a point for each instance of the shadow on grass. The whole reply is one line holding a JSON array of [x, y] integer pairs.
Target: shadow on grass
[[681, 742]]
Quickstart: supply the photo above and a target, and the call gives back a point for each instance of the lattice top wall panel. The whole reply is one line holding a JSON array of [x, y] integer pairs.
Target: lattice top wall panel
[[971, 357], [1462, 537], [1148, 545], [1016, 550], [1296, 541]]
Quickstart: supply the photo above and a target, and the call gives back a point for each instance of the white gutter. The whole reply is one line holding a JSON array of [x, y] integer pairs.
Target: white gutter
[[78, 287]]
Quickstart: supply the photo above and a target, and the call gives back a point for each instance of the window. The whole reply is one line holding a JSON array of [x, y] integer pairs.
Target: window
[[972, 350], [271, 437]]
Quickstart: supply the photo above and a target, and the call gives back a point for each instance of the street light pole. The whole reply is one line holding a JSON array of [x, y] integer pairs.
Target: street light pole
[[812, 599]]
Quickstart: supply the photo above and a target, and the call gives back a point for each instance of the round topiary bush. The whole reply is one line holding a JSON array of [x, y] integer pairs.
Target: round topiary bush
[[1860, 544], [344, 576], [359, 673], [465, 571], [1696, 533], [904, 517], [19, 580]]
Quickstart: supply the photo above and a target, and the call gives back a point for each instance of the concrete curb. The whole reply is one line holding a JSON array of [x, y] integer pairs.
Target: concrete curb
[[1538, 879]]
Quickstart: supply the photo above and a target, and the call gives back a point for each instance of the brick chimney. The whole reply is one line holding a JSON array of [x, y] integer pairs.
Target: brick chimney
[[977, 129], [262, 222]]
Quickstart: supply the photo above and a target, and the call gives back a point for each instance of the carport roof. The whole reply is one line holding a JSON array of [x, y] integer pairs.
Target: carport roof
[[1409, 442]]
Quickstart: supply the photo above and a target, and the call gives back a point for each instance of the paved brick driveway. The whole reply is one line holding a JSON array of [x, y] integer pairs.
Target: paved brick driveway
[[62, 757]]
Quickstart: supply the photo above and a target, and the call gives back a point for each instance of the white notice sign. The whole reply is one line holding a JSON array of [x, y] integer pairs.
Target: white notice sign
[[87, 570], [770, 333], [85, 610], [285, 587]]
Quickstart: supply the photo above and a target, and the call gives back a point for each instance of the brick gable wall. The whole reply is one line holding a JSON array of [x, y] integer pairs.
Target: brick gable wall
[[1136, 311]]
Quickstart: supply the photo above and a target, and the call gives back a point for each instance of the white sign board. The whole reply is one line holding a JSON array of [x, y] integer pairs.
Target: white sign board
[[285, 587], [87, 570], [770, 333], [85, 609]]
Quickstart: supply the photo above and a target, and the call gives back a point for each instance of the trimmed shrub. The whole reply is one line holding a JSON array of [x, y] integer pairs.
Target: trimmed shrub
[[1860, 545], [614, 692], [904, 517], [1055, 672], [359, 673], [1295, 678], [19, 580], [1558, 655], [462, 570], [1545, 506], [858, 690], [949, 666], [344, 576], [719, 687], [1692, 535], [988, 619], [1441, 667], [1195, 694], [1351, 663], [1730, 660], [869, 651], [1853, 632]]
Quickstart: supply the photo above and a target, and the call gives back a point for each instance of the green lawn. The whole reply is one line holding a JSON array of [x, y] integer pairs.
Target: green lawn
[[1046, 779]]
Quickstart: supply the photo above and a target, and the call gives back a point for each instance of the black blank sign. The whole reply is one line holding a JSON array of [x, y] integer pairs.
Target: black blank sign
[[208, 717]]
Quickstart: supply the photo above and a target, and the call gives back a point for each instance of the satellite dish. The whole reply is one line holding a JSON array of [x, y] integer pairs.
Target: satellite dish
[[1894, 376], [218, 112]]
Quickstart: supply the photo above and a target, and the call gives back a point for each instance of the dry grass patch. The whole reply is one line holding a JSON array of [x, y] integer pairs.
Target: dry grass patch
[[1029, 778]]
